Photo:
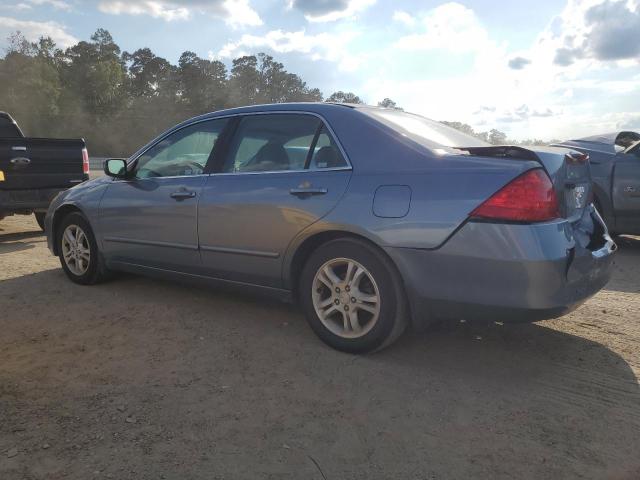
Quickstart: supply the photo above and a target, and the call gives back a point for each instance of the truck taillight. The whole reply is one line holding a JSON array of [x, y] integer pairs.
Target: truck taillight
[[528, 198], [85, 161], [576, 158]]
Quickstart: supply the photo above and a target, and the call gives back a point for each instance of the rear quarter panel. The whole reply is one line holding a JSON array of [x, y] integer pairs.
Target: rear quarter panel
[[445, 186]]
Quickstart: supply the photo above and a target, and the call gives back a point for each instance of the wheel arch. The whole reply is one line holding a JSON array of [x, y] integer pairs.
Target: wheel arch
[[305, 247], [58, 216]]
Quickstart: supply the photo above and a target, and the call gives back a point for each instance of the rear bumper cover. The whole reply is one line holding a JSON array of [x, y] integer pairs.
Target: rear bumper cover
[[504, 272]]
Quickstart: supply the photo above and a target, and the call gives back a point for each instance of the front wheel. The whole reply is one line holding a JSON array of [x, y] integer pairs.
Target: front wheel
[[352, 296], [78, 251]]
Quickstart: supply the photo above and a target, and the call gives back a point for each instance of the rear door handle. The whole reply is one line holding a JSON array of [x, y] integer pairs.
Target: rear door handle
[[183, 194], [301, 192]]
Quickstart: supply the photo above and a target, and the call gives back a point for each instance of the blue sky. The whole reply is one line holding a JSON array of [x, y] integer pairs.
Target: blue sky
[[544, 69]]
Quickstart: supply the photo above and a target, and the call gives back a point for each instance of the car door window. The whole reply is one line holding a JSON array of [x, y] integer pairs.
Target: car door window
[[272, 142], [183, 153], [326, 153]]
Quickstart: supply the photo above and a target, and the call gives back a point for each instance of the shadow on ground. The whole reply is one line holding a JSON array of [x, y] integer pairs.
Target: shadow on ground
[[627, 264], [138, 378]]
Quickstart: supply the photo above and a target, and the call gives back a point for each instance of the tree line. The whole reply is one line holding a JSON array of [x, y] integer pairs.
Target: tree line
[[115, 100]]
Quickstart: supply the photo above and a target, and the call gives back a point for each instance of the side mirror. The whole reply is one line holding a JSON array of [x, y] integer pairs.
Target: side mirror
[[115, 167]]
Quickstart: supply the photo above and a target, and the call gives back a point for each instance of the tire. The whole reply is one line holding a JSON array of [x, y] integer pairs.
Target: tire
[[342, 321], [85, 272], [40, 219]]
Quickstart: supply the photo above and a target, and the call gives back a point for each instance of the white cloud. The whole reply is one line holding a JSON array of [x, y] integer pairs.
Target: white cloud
[[521, 92], [34, 30], [323, 46], [330, 11], [58, 4], [450, 26], [154, 9], [403, 17], [236, 13], [240, 13]]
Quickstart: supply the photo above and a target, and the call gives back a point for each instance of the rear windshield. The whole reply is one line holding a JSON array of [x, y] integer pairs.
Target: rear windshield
[[426, 132]]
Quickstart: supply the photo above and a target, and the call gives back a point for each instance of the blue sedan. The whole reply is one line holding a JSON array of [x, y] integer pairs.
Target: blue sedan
[[372, 219]]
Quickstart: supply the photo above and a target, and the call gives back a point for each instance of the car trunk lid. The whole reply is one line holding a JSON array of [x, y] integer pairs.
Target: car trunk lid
[[568, 169]]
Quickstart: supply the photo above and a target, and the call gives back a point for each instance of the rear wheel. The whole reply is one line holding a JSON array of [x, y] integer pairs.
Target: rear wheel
[[352, 296], [40, 219], [78, 251]]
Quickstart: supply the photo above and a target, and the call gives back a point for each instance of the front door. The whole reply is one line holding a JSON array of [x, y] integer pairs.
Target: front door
[[626, 190], [282, 173], [151, 219]]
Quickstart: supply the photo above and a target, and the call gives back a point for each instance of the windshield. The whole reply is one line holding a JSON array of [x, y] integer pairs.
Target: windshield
[[426, 132]]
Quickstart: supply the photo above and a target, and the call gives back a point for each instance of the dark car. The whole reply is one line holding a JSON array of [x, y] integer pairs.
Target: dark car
[[371, 218], [615, 168], [34, 170]]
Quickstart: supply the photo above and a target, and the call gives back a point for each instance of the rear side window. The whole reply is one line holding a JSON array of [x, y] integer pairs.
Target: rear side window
[[326, 153], [271, 142]]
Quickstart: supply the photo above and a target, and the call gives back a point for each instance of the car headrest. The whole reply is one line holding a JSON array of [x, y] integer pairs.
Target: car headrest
[[328, 157], [273, 153]]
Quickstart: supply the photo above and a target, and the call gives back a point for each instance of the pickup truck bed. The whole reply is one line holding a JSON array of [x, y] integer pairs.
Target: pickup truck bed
[[34, 170]]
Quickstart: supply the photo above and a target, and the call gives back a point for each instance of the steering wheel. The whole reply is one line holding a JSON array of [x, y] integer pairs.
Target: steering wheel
[[195, 164]]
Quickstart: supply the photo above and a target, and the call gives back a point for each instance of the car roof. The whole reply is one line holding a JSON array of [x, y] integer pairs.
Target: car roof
[[313, 107]]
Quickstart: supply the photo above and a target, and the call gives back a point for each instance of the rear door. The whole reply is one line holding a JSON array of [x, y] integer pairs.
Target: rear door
[[626, 189], [151, 219], [281, 173]]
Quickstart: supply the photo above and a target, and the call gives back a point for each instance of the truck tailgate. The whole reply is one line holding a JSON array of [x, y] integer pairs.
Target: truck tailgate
[[35, 163]]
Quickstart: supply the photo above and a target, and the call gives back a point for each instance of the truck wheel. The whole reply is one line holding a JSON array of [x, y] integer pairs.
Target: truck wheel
[[352, 296], [40, 219], [78, 251]]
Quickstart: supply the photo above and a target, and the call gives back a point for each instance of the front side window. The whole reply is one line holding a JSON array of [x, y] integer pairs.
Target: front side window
[[183, 153], [271, 142]]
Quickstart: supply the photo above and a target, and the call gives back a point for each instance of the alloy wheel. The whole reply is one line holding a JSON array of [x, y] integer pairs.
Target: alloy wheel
[[346, 298], [76, 250]]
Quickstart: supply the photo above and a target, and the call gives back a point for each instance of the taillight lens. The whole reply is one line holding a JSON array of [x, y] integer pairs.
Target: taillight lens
[[528, 198], [576, 158], [85, 161]]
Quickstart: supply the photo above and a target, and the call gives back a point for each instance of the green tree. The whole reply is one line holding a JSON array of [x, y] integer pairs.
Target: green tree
[[388, 103], [496, 137], [149, 75], [202, 83], [31, 85], [344, 97]]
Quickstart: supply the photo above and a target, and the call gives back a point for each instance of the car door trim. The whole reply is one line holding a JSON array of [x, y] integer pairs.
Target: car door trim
[[334, 169], [153, 243], [240, 251]]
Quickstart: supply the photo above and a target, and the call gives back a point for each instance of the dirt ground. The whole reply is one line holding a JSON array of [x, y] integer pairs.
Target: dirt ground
[[140, 379]]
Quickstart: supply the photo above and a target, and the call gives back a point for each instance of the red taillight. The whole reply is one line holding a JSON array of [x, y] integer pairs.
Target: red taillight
[[85, 161], [528, 198]]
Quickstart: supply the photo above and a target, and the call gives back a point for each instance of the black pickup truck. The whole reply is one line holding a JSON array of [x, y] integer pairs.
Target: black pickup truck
[[34, 170]]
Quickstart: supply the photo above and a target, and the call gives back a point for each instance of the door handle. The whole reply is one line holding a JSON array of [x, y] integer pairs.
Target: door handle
[[302, 192], [20, 161], [183, 195]]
